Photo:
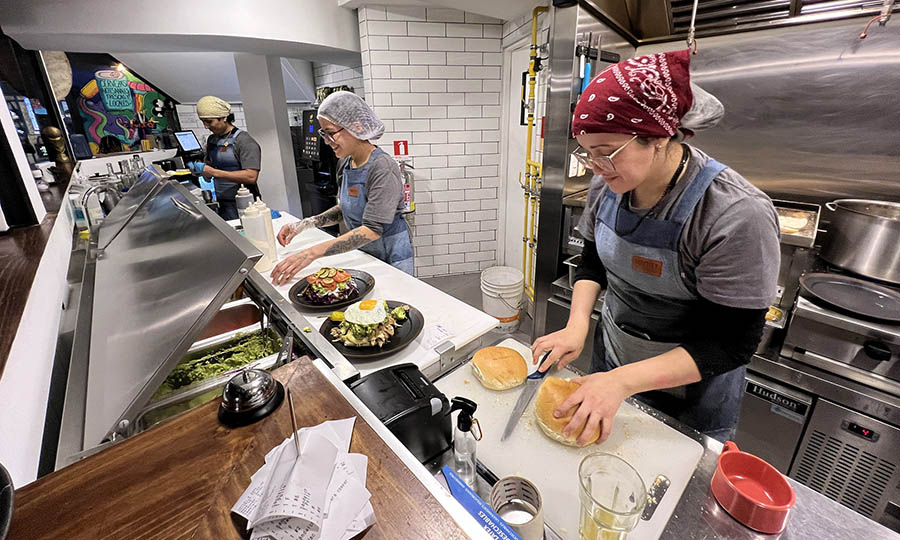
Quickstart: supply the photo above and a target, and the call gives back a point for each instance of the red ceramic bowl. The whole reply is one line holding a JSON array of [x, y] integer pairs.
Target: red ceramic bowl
[[752, 491]]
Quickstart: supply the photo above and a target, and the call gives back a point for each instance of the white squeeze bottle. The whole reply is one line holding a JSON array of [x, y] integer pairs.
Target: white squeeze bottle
[[270, 227], [243, 199], [256, 232]]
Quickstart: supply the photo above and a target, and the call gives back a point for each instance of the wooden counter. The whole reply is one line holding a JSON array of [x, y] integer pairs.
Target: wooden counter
[[20, 254], [180, 480]]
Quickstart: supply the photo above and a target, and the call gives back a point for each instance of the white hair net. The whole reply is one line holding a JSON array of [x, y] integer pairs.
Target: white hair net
[[705, 111], [349, 111]]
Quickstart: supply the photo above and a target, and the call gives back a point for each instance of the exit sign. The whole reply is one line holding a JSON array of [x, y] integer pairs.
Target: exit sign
[[401, 148]]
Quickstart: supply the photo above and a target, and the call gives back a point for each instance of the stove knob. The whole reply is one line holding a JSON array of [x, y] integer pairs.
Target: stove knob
[[877, 350]]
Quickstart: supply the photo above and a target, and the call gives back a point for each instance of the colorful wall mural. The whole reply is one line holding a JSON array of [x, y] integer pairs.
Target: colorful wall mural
[[115, 102]]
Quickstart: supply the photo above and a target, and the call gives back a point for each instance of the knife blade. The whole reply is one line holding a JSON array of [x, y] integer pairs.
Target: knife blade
[[532, 383]]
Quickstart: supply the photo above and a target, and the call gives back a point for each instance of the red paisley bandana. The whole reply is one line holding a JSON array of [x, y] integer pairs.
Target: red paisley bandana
[[645, 96]]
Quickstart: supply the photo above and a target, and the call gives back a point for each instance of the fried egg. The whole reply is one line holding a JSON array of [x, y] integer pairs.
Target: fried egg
[[366, 312]]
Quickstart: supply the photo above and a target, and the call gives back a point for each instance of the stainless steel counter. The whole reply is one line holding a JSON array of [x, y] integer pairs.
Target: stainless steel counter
[[699, 517]]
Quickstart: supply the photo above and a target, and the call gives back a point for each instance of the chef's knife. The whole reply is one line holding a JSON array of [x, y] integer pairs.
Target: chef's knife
[[532, 383]]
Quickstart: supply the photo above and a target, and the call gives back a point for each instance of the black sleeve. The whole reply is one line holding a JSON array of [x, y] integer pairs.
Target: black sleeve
[[726, 338], [591, 267], [210, 148]]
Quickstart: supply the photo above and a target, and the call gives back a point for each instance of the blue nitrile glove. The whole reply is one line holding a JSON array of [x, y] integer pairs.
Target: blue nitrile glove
[[196, 167]]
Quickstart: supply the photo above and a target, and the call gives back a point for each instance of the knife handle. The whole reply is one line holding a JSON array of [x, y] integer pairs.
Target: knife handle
[[538, 375]]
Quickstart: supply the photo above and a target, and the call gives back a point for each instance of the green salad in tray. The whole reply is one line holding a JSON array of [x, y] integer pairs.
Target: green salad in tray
[[230, 356]]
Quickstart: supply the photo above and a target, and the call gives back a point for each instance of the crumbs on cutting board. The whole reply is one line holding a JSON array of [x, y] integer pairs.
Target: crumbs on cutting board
[[465, 381]]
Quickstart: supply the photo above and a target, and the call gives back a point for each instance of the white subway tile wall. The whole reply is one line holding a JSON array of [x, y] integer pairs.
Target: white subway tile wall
[[435, 75], [335, 75]]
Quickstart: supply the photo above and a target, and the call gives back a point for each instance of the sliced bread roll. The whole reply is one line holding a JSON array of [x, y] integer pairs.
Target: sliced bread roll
[[499, 368], [553, 392]]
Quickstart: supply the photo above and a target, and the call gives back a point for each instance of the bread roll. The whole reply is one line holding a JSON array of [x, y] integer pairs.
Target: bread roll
[[499, 368], [553, 392]]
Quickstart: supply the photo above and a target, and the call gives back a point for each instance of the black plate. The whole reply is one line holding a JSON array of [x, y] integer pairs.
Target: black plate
[[364, 283], [404, 334], [854, 296]]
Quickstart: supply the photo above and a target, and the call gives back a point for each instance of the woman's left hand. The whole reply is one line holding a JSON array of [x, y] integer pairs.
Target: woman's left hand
[[286, 269], [598, 399]]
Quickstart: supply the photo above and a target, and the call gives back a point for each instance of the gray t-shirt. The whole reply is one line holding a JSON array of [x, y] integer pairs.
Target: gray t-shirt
[[247, 150], [729, 252], [384, 190]]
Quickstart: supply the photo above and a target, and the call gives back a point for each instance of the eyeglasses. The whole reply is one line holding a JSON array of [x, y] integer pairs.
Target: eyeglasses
[[604, 163], [329, 135]]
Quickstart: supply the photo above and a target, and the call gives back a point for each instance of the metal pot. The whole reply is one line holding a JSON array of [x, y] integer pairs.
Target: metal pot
[[864, 238]]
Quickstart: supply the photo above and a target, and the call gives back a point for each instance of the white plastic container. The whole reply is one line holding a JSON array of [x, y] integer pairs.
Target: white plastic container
[[257, 223], [75, 193], [501, 293]]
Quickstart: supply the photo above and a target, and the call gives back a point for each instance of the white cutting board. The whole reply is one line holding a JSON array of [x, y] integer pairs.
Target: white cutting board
[[649, 445]]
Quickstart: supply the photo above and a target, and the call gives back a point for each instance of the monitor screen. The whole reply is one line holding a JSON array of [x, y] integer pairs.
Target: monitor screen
[[187, 141]]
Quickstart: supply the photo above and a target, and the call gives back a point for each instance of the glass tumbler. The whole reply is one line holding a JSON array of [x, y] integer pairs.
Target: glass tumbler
[[612, 497]]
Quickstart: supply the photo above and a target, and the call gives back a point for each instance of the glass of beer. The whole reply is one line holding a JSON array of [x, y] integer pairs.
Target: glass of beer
[[612, 497]]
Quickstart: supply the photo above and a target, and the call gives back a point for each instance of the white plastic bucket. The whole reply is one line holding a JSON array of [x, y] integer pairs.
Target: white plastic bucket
[[501, 292]]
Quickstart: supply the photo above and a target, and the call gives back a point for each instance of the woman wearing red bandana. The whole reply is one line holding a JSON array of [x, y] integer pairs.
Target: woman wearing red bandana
[[686, 248]]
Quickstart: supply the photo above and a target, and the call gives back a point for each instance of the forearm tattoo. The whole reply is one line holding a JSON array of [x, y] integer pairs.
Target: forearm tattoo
[[332, 216], [353, 240]]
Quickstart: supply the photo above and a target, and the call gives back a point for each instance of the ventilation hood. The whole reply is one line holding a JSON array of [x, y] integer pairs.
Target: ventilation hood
[[642, 21]]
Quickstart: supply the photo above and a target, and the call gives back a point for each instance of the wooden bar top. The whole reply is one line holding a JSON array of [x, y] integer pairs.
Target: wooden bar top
[[180, 479], [20, 253]]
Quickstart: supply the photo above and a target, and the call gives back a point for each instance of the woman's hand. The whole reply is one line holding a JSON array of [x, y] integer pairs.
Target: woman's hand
[[286, 269], [289, 231], [197, 167], [565, 346], [598, 399]]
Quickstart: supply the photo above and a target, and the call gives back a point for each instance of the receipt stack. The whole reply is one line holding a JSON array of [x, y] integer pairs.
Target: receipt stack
[[320, 494]]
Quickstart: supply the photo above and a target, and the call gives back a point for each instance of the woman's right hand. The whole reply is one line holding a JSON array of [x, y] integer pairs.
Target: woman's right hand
[[564, 345], [289, 231]]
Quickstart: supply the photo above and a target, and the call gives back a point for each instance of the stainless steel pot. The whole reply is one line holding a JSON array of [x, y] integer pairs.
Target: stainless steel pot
[[864, 238]]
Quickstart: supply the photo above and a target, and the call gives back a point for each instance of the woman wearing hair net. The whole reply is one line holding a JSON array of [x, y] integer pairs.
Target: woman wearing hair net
[[371, 194], [686, 248]]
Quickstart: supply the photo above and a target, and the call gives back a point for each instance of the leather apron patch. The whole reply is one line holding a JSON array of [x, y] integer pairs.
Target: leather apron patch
[[353, 191], [644, 265]]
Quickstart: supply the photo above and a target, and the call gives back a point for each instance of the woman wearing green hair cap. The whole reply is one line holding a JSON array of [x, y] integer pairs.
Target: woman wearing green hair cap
[[232, 156], [371, 193]]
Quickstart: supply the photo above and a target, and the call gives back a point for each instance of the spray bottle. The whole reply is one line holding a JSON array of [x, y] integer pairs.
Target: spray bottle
[[464, 439]]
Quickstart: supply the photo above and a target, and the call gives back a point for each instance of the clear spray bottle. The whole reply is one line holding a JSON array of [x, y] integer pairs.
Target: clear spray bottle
[[464, 439]]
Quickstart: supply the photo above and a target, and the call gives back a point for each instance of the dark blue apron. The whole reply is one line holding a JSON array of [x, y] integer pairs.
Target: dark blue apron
[[648, 305], [394, 246], [224, 157]]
